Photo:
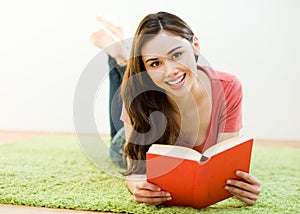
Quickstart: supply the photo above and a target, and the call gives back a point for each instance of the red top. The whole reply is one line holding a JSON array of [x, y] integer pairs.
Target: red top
[[226, 115]]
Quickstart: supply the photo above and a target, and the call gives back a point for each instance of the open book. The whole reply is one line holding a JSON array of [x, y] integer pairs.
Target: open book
[[196, 179]]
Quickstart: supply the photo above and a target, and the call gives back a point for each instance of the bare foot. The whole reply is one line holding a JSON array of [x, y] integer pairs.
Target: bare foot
[[111, 26], [110, 43]]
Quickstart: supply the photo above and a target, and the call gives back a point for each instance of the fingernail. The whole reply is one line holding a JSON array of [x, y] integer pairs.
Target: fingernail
[[168, 194], [158, 189], [226, 188], [238, 172], [228, 181], [169, 198]]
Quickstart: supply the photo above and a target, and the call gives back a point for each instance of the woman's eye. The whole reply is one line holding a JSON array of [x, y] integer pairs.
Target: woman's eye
[[154, 64], [176, 55]]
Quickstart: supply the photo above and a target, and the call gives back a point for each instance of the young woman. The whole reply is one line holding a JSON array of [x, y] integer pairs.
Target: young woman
[[198, 106], [202, 106]]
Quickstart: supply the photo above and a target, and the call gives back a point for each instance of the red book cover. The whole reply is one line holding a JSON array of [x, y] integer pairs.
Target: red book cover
[[196, 183]]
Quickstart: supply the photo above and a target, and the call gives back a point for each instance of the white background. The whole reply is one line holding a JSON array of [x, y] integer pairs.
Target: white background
[[45, 46]]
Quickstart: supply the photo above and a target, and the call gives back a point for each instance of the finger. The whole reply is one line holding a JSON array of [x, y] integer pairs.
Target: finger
[[241, 193], [247, 177], [245, 200], [244, 186], [148, 186], [150, 194], [152, 201]]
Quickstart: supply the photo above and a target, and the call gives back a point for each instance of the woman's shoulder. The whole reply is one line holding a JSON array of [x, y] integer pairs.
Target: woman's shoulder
[[218, 75], [229, 82]]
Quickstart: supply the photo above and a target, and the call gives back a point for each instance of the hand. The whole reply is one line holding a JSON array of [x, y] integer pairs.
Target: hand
[[247, 190], [148, 193]]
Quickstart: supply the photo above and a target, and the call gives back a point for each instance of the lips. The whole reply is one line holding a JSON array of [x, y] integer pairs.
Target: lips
[[177, 81]]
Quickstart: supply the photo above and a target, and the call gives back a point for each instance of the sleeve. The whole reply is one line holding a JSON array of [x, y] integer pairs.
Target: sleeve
[[232, 116]]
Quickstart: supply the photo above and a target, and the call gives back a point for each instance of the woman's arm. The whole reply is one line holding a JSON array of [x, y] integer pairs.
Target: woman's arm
[[145, 192], [247, 190], [226, 135]]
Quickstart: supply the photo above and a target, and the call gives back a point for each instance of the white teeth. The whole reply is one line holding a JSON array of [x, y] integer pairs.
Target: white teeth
[[176, 82]]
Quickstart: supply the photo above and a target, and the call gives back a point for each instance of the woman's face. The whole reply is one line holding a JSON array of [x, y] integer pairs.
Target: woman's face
[[170, 62]]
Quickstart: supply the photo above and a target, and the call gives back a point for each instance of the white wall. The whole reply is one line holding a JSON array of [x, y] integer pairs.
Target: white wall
[[44, 48]]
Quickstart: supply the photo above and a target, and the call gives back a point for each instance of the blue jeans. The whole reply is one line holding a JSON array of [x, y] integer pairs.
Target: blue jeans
[[115, 103], [116, 150], [117, 132]]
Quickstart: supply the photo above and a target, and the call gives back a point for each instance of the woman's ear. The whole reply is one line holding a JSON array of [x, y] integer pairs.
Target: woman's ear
[[196, 45]]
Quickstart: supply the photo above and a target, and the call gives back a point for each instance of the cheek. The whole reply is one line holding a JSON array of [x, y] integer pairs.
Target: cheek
[[155, 76], [190, 65], [189, 61]]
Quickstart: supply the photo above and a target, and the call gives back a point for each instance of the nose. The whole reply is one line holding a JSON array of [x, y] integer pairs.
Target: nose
[[171, 68]]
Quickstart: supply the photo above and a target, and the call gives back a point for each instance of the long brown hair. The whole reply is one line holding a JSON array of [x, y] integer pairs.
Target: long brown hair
[[142, 97]]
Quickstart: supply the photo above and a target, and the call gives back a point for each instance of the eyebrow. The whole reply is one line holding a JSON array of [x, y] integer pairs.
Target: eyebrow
[[174, 49], [153, 59]]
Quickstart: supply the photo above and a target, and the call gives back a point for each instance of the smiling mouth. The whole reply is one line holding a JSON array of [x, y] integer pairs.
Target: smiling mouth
[[177, 81]]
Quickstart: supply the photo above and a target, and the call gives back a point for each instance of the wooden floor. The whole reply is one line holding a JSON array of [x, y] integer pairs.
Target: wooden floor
[[13, 136], [280, 143], [16, 209]]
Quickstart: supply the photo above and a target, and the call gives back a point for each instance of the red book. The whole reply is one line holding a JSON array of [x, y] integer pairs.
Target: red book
[[194, 179]]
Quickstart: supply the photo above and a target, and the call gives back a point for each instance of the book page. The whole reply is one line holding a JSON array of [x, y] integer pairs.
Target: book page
[[224, 145], [175, 151]]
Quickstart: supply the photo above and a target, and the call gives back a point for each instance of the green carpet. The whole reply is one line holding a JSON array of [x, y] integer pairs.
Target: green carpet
[[53, 172]]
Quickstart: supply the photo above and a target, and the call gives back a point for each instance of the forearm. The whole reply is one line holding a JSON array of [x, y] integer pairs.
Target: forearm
[[226, 135], [132, 180]]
